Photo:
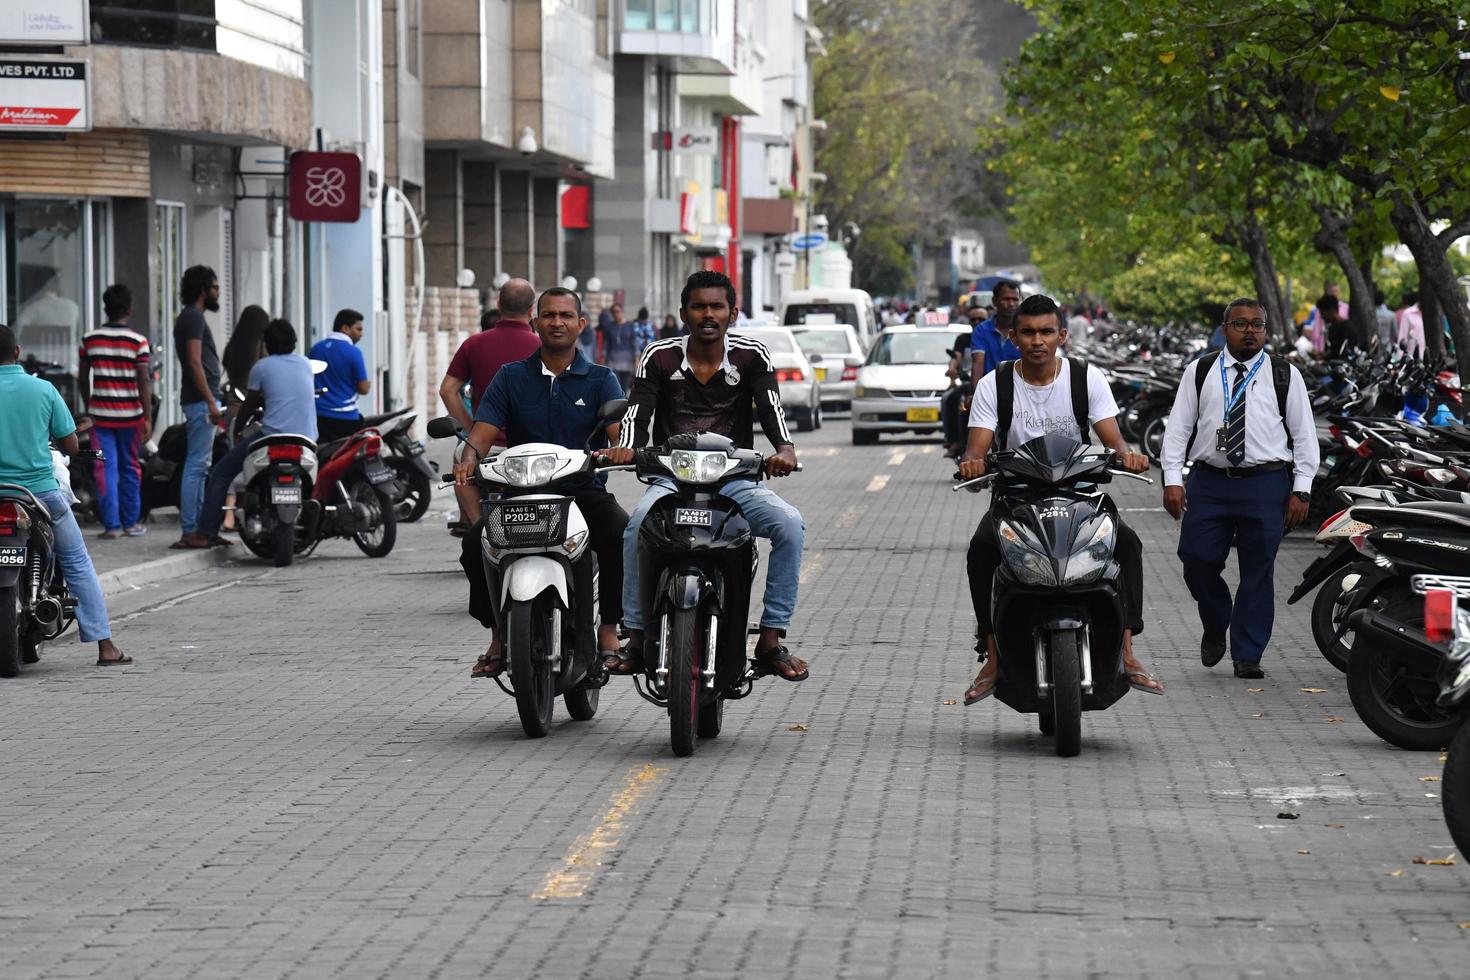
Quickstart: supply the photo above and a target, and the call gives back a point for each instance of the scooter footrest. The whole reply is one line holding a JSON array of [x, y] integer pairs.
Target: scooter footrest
[[648, 695], [69, 603], [501, 682]]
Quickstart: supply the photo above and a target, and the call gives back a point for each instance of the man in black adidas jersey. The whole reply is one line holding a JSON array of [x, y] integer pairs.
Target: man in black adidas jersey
[[714, 381]]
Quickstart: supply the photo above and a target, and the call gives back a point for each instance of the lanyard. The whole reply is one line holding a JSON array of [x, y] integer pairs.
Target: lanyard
[[1229, 398]]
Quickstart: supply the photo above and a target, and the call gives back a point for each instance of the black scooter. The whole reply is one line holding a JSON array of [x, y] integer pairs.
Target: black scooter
[[1057, 600], [1451, 634], [696, 562]]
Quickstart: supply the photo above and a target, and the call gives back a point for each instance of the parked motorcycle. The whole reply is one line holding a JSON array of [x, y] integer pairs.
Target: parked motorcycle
[[696, 561], [405, 457], [35, 605], [542, 574], [1447, 624], [1057, 600]]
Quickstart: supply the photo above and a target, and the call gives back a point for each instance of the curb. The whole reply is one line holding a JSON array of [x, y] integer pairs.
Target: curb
[[161, 569]]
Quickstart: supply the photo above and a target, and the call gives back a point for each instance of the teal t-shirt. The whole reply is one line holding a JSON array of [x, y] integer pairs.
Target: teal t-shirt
[[32, 413]]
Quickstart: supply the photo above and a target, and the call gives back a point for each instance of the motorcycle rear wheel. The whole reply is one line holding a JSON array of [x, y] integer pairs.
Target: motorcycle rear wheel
[[379, 541], [418, 493], [1066, 692], [1397, 705], [1455, 789], [711, 719], [683, 653], [1336, 652], [581, 702], [283, 544], [528, 634], [10, 631], [1151, 434]]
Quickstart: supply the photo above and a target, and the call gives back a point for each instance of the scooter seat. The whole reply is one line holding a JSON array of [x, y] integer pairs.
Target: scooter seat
[[369, 421], [1426, 514]]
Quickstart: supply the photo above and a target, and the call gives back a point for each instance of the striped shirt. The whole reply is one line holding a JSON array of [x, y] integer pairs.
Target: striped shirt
[[112, 355], [667, 399]]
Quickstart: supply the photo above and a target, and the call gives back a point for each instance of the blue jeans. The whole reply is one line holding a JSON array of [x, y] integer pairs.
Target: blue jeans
[[769, 517], [200, 454], [119, 477], [76, 568], [217, 488]]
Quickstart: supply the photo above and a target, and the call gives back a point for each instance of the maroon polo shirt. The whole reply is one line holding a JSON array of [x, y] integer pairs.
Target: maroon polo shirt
[[480, 357]]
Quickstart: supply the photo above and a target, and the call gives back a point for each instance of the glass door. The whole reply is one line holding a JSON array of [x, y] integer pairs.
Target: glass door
[[168, 269]]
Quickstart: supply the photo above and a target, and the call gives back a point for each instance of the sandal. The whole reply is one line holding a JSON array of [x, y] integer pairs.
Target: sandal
[[488, 666], [993, 680], [770, 658], [1138, 680], [109, 535], [122, 661], [622, 663]]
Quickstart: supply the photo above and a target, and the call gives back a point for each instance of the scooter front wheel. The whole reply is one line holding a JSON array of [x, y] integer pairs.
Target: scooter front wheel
[[1456, 789], [683, 681], [528, 634], [1066, 691]]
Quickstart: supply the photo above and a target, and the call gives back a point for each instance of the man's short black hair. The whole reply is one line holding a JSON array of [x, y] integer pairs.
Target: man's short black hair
[[489, 318], [1328, 302], [559, 291], [280, 337], [1237, 303], [7, 344], [344, 318], [1410, 297], [117, 300], [1007, 284], [707, 279], [1040, 304], [195, 283]]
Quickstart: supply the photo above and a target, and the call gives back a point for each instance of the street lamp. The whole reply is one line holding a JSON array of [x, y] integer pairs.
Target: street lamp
[[594, 285], [569, 282]]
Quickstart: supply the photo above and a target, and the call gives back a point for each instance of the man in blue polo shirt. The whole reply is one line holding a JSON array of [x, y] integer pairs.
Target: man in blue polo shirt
[[34, 414], [990, 342], [346, 377], [552, 396]]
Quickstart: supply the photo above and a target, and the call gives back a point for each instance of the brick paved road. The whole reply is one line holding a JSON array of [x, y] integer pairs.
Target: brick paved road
[[299, 780]]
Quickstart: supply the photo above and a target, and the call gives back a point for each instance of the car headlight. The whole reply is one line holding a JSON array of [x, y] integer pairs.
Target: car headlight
[[697, 466], [528, 471], [1031, 566], [1089, 561]]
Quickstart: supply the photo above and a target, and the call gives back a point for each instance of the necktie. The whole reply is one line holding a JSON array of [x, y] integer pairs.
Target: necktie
[[1235, 421]]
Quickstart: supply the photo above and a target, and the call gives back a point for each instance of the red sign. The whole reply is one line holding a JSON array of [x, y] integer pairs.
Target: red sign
[[34, 115], [325, 186], [688, 214], [576, 206]]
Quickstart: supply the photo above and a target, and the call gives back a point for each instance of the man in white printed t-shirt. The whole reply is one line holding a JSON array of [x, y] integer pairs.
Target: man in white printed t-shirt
[[1046, 397]]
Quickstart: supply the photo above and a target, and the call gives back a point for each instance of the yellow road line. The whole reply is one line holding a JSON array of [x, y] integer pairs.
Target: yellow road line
[[877, 483], [572, 878], [810, 567], [848, 517]]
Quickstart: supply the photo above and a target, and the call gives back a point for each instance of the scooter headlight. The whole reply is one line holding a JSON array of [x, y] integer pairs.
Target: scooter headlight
[[528, 471], [695, 466], [1087, 563], [1030, 566]]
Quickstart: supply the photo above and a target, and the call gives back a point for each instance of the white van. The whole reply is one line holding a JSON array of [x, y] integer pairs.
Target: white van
[[853, 307]]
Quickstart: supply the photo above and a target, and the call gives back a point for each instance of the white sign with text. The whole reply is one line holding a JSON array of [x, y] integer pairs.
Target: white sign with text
[[44, 95], [45, 22]]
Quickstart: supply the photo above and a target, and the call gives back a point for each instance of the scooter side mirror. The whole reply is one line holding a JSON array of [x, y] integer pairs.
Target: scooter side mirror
[[444, 427], [612, 410], [317, 365]]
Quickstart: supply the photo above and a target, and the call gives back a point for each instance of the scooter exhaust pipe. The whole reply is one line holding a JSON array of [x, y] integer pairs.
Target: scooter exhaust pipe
[[47, 611]]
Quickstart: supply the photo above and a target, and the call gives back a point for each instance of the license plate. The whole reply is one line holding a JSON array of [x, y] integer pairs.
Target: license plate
[[378, 473], [12, 556], [922, 415], [693, 518], [285, 495], [821, 374], [520, 514]]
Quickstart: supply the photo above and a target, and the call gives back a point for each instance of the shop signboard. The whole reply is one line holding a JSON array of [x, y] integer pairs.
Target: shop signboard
[[44, 95], [47, 22], [325, 186], [696, 141]]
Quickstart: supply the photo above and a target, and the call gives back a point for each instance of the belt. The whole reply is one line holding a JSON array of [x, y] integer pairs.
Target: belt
[[1236, 472]]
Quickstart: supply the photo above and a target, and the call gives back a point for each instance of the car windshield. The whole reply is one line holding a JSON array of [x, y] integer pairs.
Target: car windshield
[[823, 341], [799, 313], [776, 341], [913, 347]]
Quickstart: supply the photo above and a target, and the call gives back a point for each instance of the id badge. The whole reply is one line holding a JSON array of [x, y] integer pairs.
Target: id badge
[[1220, 439]]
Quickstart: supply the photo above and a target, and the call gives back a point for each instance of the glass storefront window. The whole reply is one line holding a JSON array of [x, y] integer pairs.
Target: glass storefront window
[[47, 284], [155, 23]]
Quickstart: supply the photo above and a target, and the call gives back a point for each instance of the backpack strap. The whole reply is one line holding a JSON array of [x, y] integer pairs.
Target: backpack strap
[[1201, 372], [1281, 370], [1079, 396], [1005, 397]]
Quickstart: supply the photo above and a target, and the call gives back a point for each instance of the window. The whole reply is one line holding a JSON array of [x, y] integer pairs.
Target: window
[[776, 341], [412, 15], [824, 341], [46, 285], [155, 23], [913, 347]]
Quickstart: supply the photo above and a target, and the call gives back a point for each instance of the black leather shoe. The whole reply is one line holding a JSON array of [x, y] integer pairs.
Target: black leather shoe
[[1211, 650], [1247, 670]]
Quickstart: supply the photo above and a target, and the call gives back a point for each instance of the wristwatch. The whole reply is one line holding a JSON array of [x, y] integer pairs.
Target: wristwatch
[[1302, 495]]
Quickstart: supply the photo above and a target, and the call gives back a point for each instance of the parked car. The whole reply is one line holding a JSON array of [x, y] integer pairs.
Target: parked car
[[836, 354], [810, 307], [900, 385], [794, 373]]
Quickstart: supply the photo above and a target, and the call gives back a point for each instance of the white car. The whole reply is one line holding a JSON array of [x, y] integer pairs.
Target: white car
[[899, 387], [800, 396], [836, 354]]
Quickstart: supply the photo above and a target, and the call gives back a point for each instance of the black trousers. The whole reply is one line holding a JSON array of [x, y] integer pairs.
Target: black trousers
[[605, 523], [328, 429], [956, 426], [984, 556]]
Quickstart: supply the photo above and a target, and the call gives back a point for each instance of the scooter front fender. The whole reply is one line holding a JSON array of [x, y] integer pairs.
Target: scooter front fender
[[528, 577], [684, 589]]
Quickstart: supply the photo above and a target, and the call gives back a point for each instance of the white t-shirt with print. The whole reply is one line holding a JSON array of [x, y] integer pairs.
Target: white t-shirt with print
[[1038, 410]]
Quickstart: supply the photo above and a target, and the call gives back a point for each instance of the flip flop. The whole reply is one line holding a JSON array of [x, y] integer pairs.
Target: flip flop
[[485, 661], [780, 655], [122, 661], [994, 683], [1140, 685], [628, 663], [186, 546]]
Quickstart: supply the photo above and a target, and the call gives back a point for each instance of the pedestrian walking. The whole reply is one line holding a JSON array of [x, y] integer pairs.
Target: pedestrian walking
[[1410, 323], [1383, 320], [620, 347], [479, 359], [644, 332], [34, 415], [117, 389], [1340, 336], [345, 377], [199, 382], [489, 318], [1244, 419], [670, 327]]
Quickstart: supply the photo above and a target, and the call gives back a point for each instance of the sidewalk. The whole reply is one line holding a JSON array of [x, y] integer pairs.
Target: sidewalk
[[134, 562]]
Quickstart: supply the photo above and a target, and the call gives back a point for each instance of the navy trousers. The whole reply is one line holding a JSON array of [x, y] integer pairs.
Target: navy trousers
[[1249, 512]]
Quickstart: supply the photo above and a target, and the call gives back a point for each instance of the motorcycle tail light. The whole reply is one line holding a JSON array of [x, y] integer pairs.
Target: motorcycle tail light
[[1336, 432], [1364, 449], [371, 446], [789, 374], [849, 374], [1331, 520], [1439, 615], [13, 519], [279, 453], [1360, 542], [1439, 475]]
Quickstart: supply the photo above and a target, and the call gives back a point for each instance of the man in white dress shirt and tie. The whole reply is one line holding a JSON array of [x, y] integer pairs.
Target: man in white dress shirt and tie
[[1244, 418]]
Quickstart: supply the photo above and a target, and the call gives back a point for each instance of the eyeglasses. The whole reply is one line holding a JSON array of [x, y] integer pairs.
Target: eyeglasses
[[1247, 326]]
